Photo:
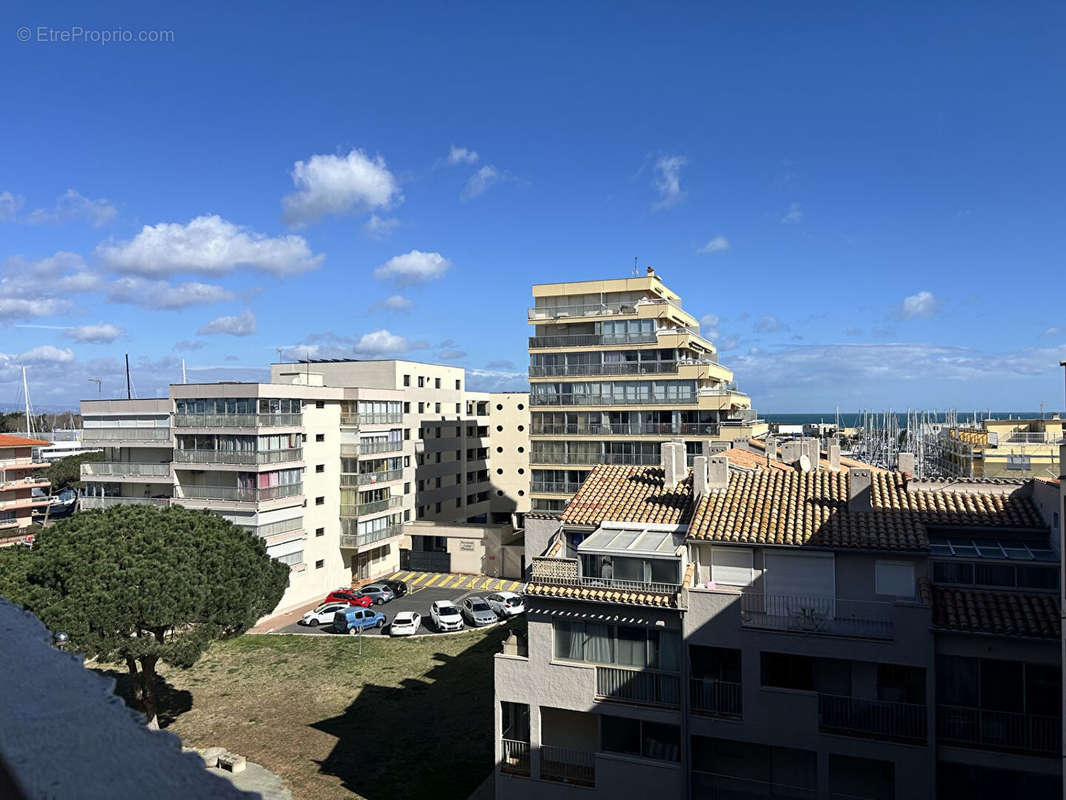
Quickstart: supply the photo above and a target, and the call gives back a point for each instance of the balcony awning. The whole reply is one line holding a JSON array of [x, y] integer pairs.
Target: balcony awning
[[634, 540]]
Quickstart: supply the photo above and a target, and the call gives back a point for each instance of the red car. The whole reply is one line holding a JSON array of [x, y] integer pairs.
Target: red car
[[349, 596]]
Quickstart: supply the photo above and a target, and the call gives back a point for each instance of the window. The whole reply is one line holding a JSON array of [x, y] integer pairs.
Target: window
[[617, 644], [407, 515], [458, 502], [634, 737], [320, 437], [438, 508], [458, 387], [320, 467], [406, 434], [320, 404], [406, 408], [320, 531], [732, 566], [458, 455], [320, 563], [320, 501], [436, 383], [303, 437], [436, 410], [421, 383], [457, 408], [407, 488], [894, 578], [406, 380], [407, 461], [421, 407]]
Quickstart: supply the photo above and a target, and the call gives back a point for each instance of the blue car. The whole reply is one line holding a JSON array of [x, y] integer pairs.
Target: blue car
[[354, 618]]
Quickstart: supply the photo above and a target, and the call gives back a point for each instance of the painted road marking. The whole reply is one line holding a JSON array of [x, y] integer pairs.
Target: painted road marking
[[435, 578], [395, 575], [421, 577]]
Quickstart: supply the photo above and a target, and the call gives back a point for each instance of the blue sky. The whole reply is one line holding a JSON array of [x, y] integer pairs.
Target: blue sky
[[864, 206]]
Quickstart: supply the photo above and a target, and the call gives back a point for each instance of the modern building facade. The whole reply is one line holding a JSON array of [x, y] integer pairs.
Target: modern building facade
[[20, 474], [325, 469], [793, 629], [615, 368]]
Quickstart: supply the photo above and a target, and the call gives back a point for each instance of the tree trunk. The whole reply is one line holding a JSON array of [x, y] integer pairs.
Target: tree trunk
[[144, 693]]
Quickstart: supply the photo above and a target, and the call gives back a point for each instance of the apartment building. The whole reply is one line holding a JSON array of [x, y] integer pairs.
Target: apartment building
[[771, 625], [20, 474], [1003, 448], [615, 368], [324, 468]]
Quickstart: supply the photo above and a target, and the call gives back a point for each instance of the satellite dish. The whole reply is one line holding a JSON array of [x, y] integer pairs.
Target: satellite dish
[[805, 463]]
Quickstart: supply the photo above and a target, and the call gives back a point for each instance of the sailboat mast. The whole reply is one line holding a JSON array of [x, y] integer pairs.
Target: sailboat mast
[[26, 395]]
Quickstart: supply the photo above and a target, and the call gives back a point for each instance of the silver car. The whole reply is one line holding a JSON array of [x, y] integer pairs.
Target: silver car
[[477, 611], [378, 592]]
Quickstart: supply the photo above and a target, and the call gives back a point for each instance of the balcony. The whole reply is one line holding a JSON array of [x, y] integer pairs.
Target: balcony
[[368, 447], [566, 765], [617, 368], [592, 459], [90, 435], [278, 420], [88, 503], [590, 340], [29, 482], [373, 507], [717, 786], [642, 687], [238, 457], [284, 530], [239, 494], [716, 698], [124, 469], [881, 719], [624, 429], [999, 730], [363, 539], [515, 760], [384, 418], [366, 478], [817, 615], [608, 400], [565, 573], [553, 487]]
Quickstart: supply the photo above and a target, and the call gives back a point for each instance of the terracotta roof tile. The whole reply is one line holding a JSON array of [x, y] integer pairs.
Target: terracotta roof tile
[[653, 599], [1002, 613], [7, 440]]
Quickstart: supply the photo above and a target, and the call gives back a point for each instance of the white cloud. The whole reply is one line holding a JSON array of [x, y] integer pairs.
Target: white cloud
[[728, 343], [716, 245], [709, 325], [161, 294], [46, 353], [667, 181], [396, 302], [72, 205], [381, 342], [9, 206], [451, 354], [496, 380], [413, 268], [793, 215], [922, 304], [14, 307], [209, 245], [101, 333], [460, 155], [243, 324], [36, 288], [481, 181], [376, 344], [1053, 331], [502, 364], [380, 227], [331, 184], [768, 323]]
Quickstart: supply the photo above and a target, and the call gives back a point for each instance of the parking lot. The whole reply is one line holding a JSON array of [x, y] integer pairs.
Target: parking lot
[[422, 590]]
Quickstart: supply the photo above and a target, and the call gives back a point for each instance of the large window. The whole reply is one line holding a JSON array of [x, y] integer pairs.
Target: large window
[[728, 768], [637, 738], [995, 685], [622, 645]]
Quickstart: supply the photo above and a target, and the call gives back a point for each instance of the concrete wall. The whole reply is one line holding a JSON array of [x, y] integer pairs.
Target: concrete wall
[[508, 444]]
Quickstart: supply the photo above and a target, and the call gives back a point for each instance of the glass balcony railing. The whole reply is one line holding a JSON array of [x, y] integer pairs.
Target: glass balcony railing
[[365, 478], [382, 418], [237, 420], [239, 494], [592, 459], [554, 487], [126, 434], [609, 400], [596, 309], [624, 429], [370, 537], [368, 447], [590, 339], [86, 503], [251, 457], [617, 368], [373, 507], [133, 469]]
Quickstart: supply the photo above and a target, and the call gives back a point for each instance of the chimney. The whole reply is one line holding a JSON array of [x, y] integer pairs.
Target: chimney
[[905, 463], [771, 448], [666, 459], [834, 456], [680, 461], [718, 473], [741, 444], [860, 489], [699, 477], [791, 451], [814, 453], [713, 448], [651, 272]]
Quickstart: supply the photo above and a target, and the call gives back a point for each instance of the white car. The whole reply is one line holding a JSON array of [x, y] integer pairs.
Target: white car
[[323, 615], [506, 604], [405, 623], [445, 616]]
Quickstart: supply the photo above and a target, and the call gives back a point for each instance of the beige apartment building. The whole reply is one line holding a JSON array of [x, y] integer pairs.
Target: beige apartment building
[[1003, 448], [616, 367], [20, 474], [324, 462]]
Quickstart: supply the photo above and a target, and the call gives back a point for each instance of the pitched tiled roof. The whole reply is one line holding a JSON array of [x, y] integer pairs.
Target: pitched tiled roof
[[654, 599], [788, 507], [7, 440], [1002, 613]]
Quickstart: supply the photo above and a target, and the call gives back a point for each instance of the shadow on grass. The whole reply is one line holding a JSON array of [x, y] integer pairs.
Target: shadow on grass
[[172, 702], [429, 738]]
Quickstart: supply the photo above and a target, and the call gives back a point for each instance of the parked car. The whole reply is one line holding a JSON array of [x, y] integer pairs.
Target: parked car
[[405, 623], [399, 588], [322, 615], [378, 593], [349, 596], [352, 619], [506, 604], [477, 611], [445, 616]]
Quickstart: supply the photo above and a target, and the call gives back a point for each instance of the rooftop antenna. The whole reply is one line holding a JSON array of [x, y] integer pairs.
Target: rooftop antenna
[[26, 395], [636, 269], [129, 394], [183, 378], [99, 387], [279, 349]]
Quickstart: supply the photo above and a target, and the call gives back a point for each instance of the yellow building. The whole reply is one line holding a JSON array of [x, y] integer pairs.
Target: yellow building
[[616, 367], [1004, 448]]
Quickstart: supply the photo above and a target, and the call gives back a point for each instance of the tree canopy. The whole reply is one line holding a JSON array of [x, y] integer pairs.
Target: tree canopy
[[64, 472], [135, 584]]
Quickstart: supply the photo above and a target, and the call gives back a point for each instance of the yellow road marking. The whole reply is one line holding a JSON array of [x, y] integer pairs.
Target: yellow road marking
[[513, 586], [395, 575], [467, 583], [434, 579], [404, 575], [451, 580], [421, 577]]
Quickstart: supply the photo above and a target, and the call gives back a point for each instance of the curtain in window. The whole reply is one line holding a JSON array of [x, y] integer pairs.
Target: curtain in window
[[598, 643], [569, 638], [631, 647]]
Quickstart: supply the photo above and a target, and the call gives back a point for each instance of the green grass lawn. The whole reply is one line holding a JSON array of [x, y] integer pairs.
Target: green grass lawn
[[407, 719]]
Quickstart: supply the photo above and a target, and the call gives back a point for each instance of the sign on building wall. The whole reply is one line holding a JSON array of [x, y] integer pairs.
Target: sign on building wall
[[466, 544]]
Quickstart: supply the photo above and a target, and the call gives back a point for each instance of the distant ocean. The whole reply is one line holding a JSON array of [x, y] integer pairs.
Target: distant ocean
[[851, 420]]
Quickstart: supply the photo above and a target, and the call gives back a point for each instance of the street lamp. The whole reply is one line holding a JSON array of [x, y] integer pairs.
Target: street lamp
[[61, 640]]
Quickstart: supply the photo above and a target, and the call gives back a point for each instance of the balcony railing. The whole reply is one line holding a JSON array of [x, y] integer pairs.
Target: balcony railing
[[365, 478], [999, 730], [250, 457], [624, 429], [553, 487], [880, 718], [96, 469], [363, 539], [608, 400], [716, 786], [568, 766], [382, 418], [648, 460], [237, 420], [590, 340], [515, 760], [240, 494], [87, 503], [126, 434], [817, 615], [563, 572], [362, 509], [615, 368], [720, 698], [276, 528], [368, 446], [638, 686]]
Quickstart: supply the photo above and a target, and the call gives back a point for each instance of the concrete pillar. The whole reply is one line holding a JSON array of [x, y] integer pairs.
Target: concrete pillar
[[534, 740], [791, 451], [741, 444], [680, 461], [906, 463], [834, 456], [669, 465], [771, 448], [814, 452], [718, 473], [860, 489]]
